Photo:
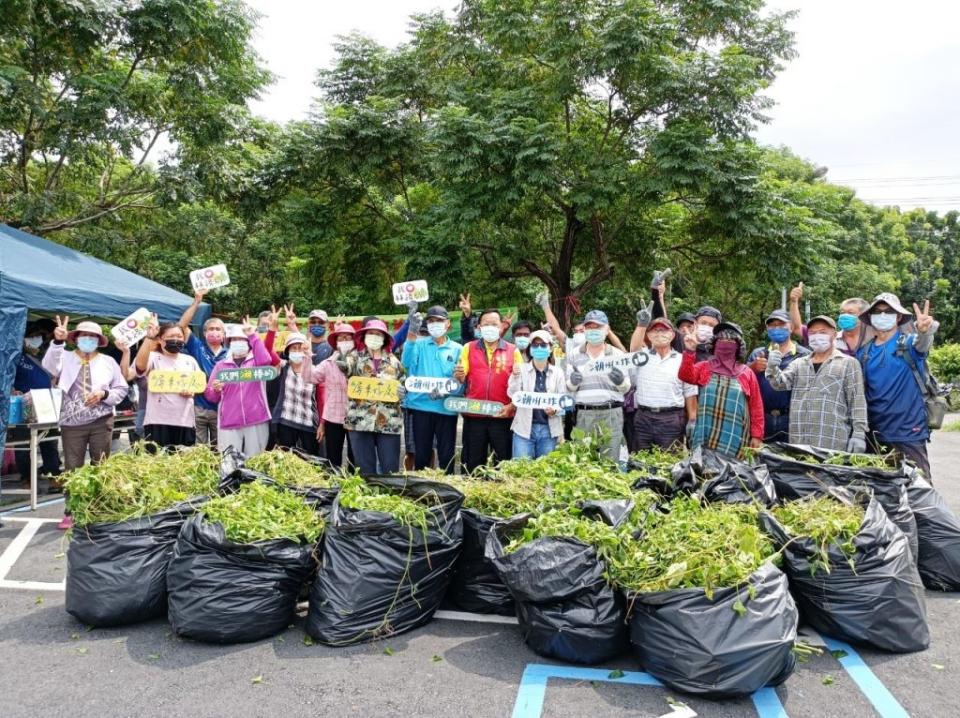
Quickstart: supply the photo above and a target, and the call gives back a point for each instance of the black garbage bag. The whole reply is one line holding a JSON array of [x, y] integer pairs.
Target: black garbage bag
[[658, 479], [938, 536], [874, 599], [377, 577], [226, 592], [117, 572], [724, 479], [711, 646], [565, 607], [795, 479], [476, 587]]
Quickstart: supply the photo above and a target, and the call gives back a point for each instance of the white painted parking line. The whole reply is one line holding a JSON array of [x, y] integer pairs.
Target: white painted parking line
[[17, 546], [475, 617], [34, 585], [25, 519]]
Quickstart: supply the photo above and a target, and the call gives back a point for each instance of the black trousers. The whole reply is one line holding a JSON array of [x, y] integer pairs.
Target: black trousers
[[427, 427], [334, 436], [291, 438], [483, 436], [170, 436], [664, 429]]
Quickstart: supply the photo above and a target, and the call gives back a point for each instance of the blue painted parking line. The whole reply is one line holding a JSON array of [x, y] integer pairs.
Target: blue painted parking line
[[533, 688], [868, 683]]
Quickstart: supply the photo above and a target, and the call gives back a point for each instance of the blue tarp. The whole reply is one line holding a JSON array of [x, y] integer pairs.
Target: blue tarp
[[43, 276]]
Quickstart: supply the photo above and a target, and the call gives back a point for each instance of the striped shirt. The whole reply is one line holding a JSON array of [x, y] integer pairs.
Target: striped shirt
[[596, 387], [827, 407], [657, 384]]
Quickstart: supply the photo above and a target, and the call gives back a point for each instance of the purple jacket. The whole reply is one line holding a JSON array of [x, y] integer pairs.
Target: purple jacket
[[243, 403]]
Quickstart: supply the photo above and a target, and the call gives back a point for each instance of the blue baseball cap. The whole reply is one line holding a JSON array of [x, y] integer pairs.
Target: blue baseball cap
[[598, 316]]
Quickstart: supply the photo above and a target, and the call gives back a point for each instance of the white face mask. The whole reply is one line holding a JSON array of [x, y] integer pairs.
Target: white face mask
[[295, 357], [820, 342], [437, 329], [345, 346], [373, 342], [704, 332], [239, 348], [884, 322], [33, 342], [490, 333]]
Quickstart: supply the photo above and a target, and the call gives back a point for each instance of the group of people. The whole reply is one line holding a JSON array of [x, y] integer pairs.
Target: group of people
[[846, 384]]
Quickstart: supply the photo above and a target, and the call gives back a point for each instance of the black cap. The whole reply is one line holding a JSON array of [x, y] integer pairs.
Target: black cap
[[708, 311], [438, 312], [686, 317]]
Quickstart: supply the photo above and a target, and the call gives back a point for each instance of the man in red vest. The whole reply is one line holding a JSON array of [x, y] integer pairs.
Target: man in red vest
[[485, 366]]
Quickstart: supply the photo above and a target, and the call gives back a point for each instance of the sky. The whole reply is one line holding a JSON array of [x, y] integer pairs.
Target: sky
[[874, 94]]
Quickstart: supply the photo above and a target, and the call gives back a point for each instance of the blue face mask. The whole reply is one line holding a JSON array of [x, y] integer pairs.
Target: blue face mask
[[594, 336], [846, 322], [87, 345], [522, 342], [778, 335], [318, 330], [540, 353]]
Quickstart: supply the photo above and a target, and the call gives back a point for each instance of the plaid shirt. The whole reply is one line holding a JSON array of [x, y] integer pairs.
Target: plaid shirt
[[827, 407], [299, 408]]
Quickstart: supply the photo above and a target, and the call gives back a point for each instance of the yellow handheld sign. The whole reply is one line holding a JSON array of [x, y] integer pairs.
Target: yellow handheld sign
[[365, 388], [171, 381]]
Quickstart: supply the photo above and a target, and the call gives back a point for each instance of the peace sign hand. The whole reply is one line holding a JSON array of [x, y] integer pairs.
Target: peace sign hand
[[291, 317], [61, 329], [273, 321], [465, 305], [248, 327], [153, 327], [924, 319]]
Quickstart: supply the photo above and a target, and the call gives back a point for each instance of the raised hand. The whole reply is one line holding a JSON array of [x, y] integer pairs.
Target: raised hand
[[412, 307], [465, 305], [690, 342], [273, 321], [247, 326], [121, 345], [645, 315], [61, 329], [291, 317], [153, 327], [796, 294], [199, 295], [924, 318]]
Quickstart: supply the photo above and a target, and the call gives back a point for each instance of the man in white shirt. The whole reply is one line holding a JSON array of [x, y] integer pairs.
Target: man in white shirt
[[664, 404]]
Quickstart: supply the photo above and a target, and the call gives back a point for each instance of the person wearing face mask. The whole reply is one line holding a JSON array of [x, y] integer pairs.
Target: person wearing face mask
[[827, 406], [320, 348], [244, 417], [521, 332], [852, 333], [332, 377], [536, 432], [295, 416], [895, 402], [431, 356], [664, 405], [729, 406], [92, 385], [598, 394], [168, 419], [706, 319], [207, 350], [484, 367], [776, 403], [30, 375], [374, 426]]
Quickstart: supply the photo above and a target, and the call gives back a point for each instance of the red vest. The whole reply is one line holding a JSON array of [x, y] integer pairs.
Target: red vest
[[489, 381]]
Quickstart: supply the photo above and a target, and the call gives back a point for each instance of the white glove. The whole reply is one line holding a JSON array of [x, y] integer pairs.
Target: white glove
[[543, 301], [775, 358], [856, 445]]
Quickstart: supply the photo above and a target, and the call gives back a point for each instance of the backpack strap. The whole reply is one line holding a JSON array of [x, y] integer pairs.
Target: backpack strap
[[908, 358]]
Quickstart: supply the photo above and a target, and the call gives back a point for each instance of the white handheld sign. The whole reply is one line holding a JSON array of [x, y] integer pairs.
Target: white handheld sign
[[133, 328], [429, 384], [414, 290], [542, 400], [625, 362], [210, 277]]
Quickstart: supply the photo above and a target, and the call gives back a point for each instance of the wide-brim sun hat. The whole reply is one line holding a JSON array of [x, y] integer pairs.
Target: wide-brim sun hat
[[376, 325], [339, 329], [295, 338], [892, 301], [88, 328]]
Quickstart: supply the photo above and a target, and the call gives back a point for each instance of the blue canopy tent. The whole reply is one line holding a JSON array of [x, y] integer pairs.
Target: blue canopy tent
[[43, 276]]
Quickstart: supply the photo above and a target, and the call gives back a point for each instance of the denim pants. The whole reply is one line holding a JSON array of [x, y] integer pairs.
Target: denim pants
[[539, 444]]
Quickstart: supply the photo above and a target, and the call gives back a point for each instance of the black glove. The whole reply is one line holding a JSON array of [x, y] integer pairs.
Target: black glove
[[616, 376]]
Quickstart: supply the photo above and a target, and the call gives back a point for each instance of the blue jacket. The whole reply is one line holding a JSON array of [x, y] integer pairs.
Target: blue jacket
[[425, 357], [895, 406]]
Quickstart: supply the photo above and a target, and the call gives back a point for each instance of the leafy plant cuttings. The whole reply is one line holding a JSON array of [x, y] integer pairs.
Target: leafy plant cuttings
[[289, 469], [824, 520], [257, 512]]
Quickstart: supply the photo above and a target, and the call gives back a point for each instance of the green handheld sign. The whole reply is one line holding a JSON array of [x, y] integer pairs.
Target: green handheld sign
[[251, 373]]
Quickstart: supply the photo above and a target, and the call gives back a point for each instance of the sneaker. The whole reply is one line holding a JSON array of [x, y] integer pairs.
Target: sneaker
[[66, 523]]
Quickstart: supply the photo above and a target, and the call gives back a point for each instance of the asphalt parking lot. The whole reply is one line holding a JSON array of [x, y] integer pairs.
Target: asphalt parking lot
[[458, 665]]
